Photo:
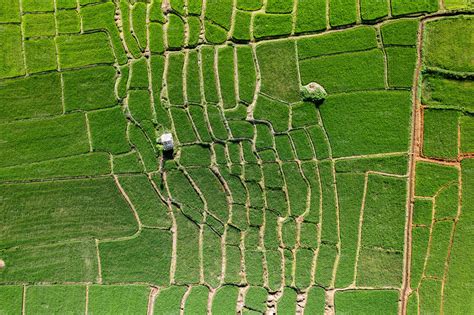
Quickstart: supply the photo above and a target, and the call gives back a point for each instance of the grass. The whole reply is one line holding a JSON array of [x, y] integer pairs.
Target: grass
[[58, 207], [35, 25], [262, 190], [169, 300], [149, 254], [246, 73], [272, 111], [68, 21], [174, 78], [440, 134], [112, 139], [196, 302], [467, 134], [354, 39], [342, 12], [400, 32], [90, 88], [11, 299], [18, 102], [441, 45], [366, 302], [11, 13], [175, 33], [287, 302], [438, 252], [92, 164], [310, 16], [420, 241], [385, 202], [431, 177], [11, 62], [354, 71], [86, 49], [69, 262], [187, 270], [209, 76], [350, 191], [304, 260], [271, 25], [401, 66], [457, 284], [220, 12], [118, 299], [362, 111], [226, 72], [30, 141], [41, 55], [101, 16], [225, 300], [404, 7], [242, 26], [439, 91], [50, 299], [371, 10], [153, 212]]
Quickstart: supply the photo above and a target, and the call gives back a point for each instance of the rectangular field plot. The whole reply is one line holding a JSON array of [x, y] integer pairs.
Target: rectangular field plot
[[367, 302], [55, 299], [149, 253], [345, 72], [376, 122], [30, 97], [354, 39], [448, 44], [11, 299], [86, 49], [91, 164], [278, 69], [11, 59], [62, 210], [115, 299], [71, 262], [440, 134], [458, 298], [89, 88], [445, 92], [39, 140]]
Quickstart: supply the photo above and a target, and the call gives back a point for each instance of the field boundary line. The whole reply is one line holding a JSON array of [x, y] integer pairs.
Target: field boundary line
[[99, 263], [154, 291], [359, 229]]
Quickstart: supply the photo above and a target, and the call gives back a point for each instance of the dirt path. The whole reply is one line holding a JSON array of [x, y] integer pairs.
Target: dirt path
[[416, 155], [415, 150]]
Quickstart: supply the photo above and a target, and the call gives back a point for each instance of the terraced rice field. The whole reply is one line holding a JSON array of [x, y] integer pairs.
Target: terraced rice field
[[362, 203]]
